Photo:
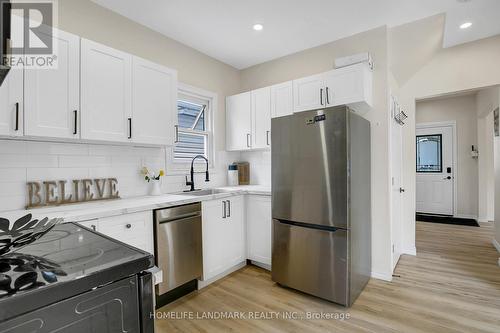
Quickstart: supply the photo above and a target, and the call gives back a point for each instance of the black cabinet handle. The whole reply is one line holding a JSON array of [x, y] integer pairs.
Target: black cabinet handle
[[17, 117], [267, 137], [130, 128], [176, 139], [228, 208], [224, 209], [75, 129], [327, 97], [321, 96], [128, 226]]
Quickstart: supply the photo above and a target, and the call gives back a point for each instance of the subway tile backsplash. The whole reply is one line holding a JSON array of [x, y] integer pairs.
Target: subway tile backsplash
[[22, 161]]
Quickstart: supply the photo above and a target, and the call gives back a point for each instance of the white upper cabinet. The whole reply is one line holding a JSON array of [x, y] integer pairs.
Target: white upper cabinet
[[239, 122], [154, 103], [106, 93], [308, 93], [52, 96], [282, 99], [12, 104], [351, 85], [261, 112]]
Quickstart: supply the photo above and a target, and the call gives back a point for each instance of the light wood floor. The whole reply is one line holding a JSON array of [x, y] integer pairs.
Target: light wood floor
[[453, 285]]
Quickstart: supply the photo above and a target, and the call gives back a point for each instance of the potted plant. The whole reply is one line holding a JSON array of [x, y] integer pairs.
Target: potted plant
[[153, 179]]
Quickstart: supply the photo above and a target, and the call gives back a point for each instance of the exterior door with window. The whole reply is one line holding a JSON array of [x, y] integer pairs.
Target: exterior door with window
[[435, 169]]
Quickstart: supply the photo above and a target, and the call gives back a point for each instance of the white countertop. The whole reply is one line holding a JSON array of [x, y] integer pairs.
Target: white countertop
[[99, 209]]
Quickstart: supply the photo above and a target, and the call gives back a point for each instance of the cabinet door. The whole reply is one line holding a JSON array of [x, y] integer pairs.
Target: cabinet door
[[235, 250], [261, 112], [214, 234], [349, 86], [11, 104], [239, 122], [258, 226], [105, 92], [282, 99], [133, 229], [154, 103], [308, 93], [52, 96]]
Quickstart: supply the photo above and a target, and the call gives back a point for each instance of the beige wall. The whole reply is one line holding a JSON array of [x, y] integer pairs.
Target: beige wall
[[320, 59], [91, 21], [462, 110], [468, 66]]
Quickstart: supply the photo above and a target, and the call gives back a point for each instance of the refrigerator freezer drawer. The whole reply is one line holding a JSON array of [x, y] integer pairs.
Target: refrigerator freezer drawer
[[311, 260]]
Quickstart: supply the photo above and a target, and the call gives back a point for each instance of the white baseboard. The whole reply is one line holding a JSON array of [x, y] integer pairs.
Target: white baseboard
[[496, 244], [465, 216], [382, 276], [412, 251], [203, 284], [261, 265]]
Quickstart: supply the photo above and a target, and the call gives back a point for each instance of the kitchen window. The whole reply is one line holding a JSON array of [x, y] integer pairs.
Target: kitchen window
[[195, 126]]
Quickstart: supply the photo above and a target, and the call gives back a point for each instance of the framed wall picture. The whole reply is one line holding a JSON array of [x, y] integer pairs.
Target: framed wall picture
[[496, 123]]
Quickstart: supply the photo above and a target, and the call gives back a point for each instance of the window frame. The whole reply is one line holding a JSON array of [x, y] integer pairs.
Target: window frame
[[440, 153], [180, 167]]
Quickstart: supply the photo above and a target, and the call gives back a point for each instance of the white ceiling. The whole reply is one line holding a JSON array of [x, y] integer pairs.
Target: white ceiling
[[223, 28]]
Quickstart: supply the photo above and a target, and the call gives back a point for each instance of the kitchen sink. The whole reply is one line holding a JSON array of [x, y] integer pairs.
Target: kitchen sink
[[200, 193]]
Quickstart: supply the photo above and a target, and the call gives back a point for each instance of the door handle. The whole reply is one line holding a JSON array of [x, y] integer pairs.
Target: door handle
[[321, 96], [228, 208], [75, 129], [130, 128], [401, 190], [17, 117], [327, 97], [176, 139], [267, 137], [447, 178], [249, 145], [224, 209]]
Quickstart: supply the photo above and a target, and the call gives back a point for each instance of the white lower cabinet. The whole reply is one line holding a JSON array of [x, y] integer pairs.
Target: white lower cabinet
[[134, 229], [223, 230], [258, 227]]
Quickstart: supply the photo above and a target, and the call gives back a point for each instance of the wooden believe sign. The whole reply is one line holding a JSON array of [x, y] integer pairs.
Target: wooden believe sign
[[53, 193]]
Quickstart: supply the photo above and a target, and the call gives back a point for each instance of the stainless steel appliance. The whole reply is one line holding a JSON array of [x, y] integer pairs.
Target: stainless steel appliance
[[5, 9], [178, 248], [75, 280], [321, 203]]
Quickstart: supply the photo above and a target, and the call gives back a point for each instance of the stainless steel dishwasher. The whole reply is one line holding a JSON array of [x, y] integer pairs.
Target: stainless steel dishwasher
[[178, 245]]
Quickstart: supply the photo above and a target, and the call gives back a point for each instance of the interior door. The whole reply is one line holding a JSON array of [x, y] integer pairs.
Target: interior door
[[239, 122], [261, 111], [397, 189], [435, 169], [106, 90], [154, 102], [52, 97]]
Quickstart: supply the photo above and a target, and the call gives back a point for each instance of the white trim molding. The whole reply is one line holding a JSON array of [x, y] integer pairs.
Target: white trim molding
[[496, 244], [412, 251], [382, 276]]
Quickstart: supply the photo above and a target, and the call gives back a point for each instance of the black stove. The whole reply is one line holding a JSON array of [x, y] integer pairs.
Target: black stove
[[66, 267]]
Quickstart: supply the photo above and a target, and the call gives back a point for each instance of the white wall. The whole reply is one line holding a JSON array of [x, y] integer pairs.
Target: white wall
[[321, 59], [260, 166], [461, 68], [487, 101], [462, 110], [497, 189]]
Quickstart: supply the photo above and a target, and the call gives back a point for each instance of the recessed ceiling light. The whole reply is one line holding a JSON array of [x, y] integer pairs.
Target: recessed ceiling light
[[258, 27], [465, 25]]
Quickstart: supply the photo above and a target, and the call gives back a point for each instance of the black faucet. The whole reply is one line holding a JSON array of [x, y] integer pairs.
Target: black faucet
[[191, 183]]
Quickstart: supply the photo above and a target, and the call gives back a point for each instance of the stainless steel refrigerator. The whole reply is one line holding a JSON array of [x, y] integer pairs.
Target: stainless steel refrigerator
[[321, 203]]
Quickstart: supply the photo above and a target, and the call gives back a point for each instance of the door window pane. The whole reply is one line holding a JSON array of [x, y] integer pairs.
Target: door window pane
[[429, 153]]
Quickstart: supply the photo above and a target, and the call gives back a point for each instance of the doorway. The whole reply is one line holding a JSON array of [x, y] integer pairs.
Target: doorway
[[435, 168]]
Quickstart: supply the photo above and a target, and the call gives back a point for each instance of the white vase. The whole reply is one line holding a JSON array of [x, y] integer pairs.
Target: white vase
[[155, 188]]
